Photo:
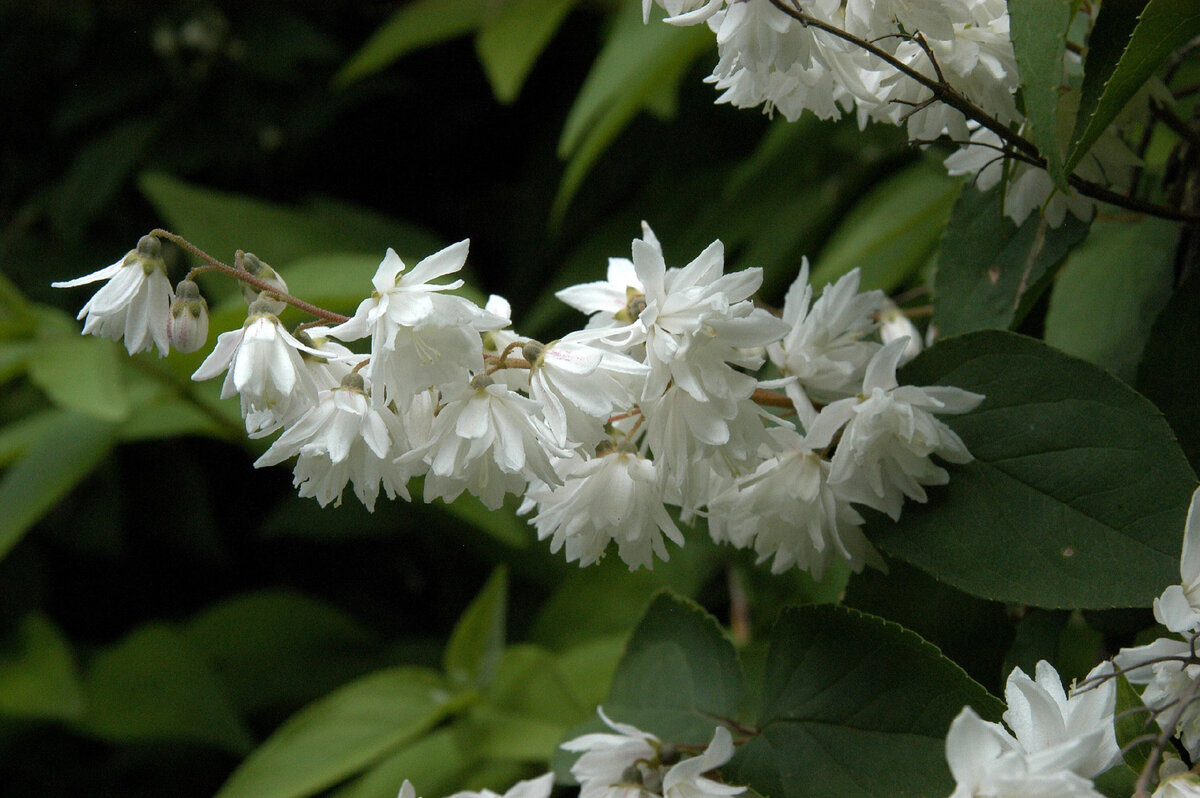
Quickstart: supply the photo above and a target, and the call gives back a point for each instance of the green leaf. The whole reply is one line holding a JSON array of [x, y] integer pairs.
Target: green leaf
[[841, 684], [1077, 493], [436, 765], [171, 417], [220, 223], [513, 37], [1132, 720], [1168, 375], [638, 65], [1039, 37], [680, 674], [154, 686], [276, 649], [892, 231], [477, 641], [14, 358], [1162, 27], [100, 169], [17, 437], [342, 733], [65, 452], [1106, 43], [1110, 290], [990, 272], [415, 25], [83, 373], [38, 678]]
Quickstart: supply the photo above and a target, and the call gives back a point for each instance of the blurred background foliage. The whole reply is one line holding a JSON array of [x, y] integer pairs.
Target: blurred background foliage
[[164, 607]]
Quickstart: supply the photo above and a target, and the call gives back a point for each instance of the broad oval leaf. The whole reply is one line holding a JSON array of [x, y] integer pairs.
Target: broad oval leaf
[[680, 674], [1168, 374], [854, 707], [342, 733], [1078, 491], [154, 686], [83, 373], [989, 271], [38, 677]]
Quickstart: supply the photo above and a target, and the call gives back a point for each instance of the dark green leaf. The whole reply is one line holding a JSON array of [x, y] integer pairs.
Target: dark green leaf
[[513, 37], [278, 649], [893, 231], [478, 639], [1038, 29], [154, 686], [1133, 720], [1110, 290], [342, 733], [1106, 43], [841, 684], [1168, 375], [436, 765], [99, 171], [1162, 27], [680, 674], [38, 678], [990, 272], [83, 373], [638, 66], [1078, 491], [60, 457], [415, 25]]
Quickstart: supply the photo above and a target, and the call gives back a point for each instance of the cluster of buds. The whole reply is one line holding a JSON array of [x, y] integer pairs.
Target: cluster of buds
[[656, 402]]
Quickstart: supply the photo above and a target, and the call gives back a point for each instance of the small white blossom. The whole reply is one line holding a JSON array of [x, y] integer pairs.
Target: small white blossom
[[1178, 608], [788, 510], [1058, 731], [134, 304], [341, 439], [187, 323], [614, 496], [488, 441], [420, 336], [890, 434], [252, 293], [894, 325], [986, 760], [1160, 667], [263, 366], [686, 778], [606, 757], [825, 347]]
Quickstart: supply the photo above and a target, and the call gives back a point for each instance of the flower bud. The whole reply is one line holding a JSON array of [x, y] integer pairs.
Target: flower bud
[[187, 323], [532, 350], [256, 268], [893, 325]]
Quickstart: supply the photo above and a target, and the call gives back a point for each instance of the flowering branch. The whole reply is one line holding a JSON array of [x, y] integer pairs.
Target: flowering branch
[[943, 92]]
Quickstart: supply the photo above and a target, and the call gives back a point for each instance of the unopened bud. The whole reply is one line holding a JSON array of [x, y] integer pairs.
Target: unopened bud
[[262, 306], [256, 268], [187, 323], [354, 381], [481, 381], [149, 247], [532, 350], [631, 775], [894, 325]]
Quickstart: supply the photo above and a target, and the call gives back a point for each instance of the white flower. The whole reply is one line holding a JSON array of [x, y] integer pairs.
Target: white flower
[[262, 271], [407, 790], [265, 369], [579, 385], [341, 439], [1160, 667], [788, 510], [1178, 608], [824, 347], [894, 325], [187, 323], [686, 779], [606, 757], [1064, 732], [531, 788], [488, 441], [135, 302], [890, 434], [614, 496], [420, 337], [986, 760], [1184, 784], [609, 303]]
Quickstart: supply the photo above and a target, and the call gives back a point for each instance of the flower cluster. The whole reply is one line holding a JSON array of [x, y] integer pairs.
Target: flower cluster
[[1056, 743], [769, 58], [657, 402]]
